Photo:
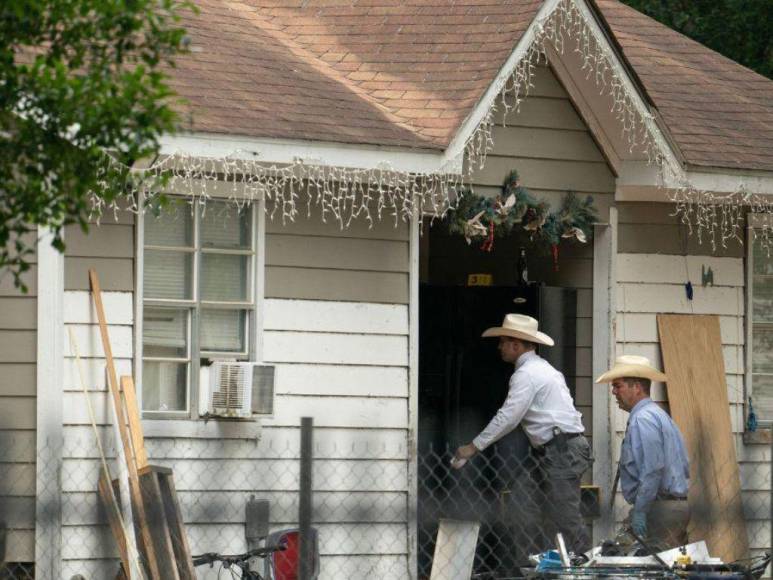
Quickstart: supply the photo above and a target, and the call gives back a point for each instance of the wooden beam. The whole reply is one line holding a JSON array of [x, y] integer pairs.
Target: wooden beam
[[135, 423], [144, 541]]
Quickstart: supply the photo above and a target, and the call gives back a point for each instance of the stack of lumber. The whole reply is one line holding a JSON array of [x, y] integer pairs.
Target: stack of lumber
[[161, 542]]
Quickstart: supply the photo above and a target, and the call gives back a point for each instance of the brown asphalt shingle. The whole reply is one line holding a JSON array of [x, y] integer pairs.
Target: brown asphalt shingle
[[719, 113], [406, 73]]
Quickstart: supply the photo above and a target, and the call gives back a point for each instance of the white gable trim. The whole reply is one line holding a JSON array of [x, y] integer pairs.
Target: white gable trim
[[556, 24], [286, 151]]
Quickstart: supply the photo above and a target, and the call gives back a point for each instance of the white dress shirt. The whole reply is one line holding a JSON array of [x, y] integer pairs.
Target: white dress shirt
[[538, 399]]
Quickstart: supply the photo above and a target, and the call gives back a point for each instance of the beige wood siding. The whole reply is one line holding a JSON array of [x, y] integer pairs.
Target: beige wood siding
[[651, 284], [18, 356], [108, 247], [654, 228], [309, 259], [554, 152]]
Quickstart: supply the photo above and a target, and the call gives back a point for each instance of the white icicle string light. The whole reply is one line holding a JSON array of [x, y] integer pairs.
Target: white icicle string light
[[345, 194]]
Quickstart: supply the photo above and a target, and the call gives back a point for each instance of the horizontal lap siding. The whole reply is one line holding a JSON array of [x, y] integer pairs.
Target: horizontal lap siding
[[336, 326], [651, 283], [550, 146], [18, 389], [108, 248]]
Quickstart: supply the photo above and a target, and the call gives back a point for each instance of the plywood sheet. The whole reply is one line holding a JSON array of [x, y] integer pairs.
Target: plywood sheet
[[697, 394]]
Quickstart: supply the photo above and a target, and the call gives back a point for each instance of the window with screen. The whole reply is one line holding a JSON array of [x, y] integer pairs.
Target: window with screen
[[198, 290]]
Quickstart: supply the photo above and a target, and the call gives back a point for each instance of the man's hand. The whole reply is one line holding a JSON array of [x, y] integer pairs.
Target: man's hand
[[639, 524], [462, 454]]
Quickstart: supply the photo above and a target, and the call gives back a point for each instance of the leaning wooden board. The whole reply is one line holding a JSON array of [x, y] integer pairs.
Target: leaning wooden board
[[697, 396]]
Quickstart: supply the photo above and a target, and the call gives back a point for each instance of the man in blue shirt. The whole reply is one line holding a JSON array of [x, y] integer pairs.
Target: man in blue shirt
[[654, 470]]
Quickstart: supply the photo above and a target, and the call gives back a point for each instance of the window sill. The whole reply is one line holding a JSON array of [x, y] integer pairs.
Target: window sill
[[763, 436], [201, 429]]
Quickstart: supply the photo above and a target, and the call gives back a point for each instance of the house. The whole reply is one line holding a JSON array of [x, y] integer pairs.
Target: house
[[345, 121]]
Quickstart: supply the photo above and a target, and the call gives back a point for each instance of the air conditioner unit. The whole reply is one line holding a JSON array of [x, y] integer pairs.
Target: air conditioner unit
[[240, 389]]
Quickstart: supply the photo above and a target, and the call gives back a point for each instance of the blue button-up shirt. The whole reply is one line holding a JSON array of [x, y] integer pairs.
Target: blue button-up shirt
[[653, 459]]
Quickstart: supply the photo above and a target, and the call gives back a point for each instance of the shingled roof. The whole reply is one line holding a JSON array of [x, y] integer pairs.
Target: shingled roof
[[405, 73]]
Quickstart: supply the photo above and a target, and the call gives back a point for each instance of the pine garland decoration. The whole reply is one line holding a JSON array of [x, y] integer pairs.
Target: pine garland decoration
[[477, 217]]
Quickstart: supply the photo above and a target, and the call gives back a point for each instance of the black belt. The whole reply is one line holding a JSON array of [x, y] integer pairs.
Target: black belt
[[560, 437], [670, 497]]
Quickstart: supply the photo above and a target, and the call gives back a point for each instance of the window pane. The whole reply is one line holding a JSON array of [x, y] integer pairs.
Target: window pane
[[224, 226], [224, 277], [168, 274], [223, 330], [163, 386], [165, 332], [174, 227], [762, 350], [762, 389]]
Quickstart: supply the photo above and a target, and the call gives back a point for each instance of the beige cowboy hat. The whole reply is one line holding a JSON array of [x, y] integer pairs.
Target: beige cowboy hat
[[631, 365], [519, 326]]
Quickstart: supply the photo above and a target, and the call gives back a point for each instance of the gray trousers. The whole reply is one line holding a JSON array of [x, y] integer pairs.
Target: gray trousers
[[667, 522], [544, 499]]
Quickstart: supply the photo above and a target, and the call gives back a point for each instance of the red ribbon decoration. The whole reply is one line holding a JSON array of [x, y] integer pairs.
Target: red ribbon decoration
[[554, 251]]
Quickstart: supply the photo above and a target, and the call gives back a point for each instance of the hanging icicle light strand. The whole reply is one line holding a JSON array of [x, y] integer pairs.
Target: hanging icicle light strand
[[345, 194]]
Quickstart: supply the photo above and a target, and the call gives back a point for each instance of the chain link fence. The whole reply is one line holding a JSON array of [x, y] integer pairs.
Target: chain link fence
[[362, 508]]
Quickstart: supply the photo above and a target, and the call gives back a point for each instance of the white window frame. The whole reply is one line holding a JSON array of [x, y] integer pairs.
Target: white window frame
[[754, 221], [255, 317]]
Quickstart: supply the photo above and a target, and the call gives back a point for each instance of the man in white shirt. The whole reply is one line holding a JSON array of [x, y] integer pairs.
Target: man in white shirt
[[539, 400]]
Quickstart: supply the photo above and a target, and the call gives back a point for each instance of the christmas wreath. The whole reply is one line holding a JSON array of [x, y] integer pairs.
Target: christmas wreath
[[477, 216]]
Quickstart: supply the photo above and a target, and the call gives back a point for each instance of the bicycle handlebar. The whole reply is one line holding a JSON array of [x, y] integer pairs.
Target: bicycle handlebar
[[212, 557]]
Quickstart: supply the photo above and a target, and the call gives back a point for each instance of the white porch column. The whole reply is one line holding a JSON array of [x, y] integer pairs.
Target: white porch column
[[50, 367], [604, 322]]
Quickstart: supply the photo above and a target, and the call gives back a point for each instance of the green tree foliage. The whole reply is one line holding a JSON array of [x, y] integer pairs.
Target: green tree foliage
[[738, 29], [77, 78]]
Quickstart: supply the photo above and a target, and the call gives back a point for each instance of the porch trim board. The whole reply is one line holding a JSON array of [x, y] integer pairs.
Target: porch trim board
[[50, 429], [604, 339]]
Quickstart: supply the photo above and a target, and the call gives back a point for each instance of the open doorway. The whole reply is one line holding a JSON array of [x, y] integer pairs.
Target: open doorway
[[462, 380]]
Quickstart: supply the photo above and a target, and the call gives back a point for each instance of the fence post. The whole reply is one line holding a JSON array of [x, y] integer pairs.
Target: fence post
[[306, 562]]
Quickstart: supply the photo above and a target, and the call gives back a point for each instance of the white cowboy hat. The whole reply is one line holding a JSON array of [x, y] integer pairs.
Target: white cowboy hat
[[631, 365], [520, 326]]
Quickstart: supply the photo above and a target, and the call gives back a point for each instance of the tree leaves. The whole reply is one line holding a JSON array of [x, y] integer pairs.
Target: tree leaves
[[78, 78]]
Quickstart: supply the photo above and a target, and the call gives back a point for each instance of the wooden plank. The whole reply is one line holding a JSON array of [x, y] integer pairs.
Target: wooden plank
[[339, 475], [18, 346], [17, 446], [328, 316], [18, 412], [698, 400], [580, 176], [108, 240], [361, 412], [88, 337], [18, 313], [18, 479], [385, 229], [329, 348], [274, 442], [135, 422], [349, 285], [656, 298], [29, 278], [107, 495], [348, 380], [139, 516], [79, 308], [165, 522], [643, 327], [543, 143], [543, 112], [117, 273], [81, 509], [17, 379], [670, 239], [154, 524], [336, 254], [667, 269]]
